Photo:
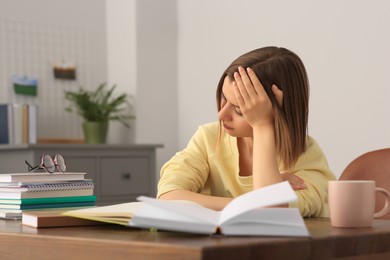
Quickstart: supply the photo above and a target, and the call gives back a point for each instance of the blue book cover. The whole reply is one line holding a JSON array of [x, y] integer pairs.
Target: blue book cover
[[4, 124]]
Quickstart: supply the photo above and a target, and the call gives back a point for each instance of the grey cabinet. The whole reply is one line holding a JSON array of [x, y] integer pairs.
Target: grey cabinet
[[120, 172]]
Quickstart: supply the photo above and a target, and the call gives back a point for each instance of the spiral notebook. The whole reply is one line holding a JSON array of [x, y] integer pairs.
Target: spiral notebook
[[41, 176], [48, 189], [47, 186]]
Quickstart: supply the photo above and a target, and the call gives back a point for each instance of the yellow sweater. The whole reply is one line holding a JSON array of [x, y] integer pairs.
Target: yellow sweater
[[201, 168]]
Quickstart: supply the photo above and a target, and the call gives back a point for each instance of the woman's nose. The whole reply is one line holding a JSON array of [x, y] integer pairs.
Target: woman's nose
[[224, 114]]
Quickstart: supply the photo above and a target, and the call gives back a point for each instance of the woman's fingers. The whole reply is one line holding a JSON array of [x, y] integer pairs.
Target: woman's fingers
[[295, 181], [241, 87], [247, 82], [278, 94], [238, 95], [257, 86]]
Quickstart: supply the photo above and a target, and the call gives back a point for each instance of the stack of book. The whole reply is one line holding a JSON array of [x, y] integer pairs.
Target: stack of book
[[22, 192]]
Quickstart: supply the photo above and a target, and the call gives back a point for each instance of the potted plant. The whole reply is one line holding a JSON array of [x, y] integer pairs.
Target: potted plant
[[97, 108]]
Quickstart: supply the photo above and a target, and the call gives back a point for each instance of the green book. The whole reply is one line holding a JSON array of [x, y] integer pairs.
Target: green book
[[48, 200], [47, 206]]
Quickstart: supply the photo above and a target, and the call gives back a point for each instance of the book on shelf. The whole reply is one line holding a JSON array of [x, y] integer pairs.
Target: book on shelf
[[41, 176], [250, 214], [54, 218], [32, 128], [6, 124], [18, 123]]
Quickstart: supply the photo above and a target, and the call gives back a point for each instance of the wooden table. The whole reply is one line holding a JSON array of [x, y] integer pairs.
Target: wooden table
[[117, 242]]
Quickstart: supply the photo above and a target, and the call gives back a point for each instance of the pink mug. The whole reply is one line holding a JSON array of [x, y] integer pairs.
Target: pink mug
[[352, 203]]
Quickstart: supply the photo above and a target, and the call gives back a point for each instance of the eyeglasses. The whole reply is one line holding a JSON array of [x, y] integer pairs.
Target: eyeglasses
[[49, 164]]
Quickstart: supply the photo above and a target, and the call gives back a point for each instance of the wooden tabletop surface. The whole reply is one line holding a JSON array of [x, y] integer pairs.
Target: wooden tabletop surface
[[117, 242]]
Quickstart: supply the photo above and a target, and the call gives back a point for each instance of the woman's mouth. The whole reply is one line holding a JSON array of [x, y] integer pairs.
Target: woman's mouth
[[227, 127]]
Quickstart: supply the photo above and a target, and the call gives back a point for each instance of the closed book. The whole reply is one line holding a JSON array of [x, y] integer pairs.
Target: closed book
[[18, 123], [45, 205], [10, 215], [45, 194], [6, 124], [32, 124], [22, 183], [26, 183], [17, 213], [25, 123], [41, 176], [53, 218], [75, 185], [29, 201]]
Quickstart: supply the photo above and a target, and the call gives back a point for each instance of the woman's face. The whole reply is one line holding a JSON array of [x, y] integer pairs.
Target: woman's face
[[230, 114]]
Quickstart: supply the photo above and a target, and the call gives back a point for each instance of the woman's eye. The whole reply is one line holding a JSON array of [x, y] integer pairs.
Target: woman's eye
[[238, 111]]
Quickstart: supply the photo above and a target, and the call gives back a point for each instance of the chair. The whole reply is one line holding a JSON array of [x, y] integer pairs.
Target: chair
[[373, 165]]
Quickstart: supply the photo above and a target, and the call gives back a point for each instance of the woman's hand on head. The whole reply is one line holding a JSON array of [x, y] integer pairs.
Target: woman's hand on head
[[254, 103]]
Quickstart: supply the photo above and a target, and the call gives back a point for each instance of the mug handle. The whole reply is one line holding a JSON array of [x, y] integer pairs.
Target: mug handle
[[386, 207]]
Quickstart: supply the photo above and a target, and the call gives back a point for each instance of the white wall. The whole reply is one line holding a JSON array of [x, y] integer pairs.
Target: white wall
[[157, 70], [122, 59], [344, 45]]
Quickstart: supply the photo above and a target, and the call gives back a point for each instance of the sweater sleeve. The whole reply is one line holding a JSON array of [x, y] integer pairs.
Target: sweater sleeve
[[187, 169], [313, 168]]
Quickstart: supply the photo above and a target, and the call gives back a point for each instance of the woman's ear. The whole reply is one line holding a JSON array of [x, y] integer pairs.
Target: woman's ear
[[278, 94]]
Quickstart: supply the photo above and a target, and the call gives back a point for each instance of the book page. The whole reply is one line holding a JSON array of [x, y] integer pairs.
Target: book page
[[186, 208], [267, 222], [271, 195], [151, 216], [117, 210]]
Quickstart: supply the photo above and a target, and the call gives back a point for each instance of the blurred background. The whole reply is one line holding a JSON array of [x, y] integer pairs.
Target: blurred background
[[170, 55]]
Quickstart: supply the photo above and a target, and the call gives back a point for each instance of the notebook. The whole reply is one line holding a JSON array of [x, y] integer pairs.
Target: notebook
[[41, 176]]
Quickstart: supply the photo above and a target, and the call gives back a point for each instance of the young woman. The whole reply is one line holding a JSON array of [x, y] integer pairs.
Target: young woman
[[260, 139]]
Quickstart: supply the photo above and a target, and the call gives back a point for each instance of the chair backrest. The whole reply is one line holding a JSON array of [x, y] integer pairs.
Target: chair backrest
[[374, 165]]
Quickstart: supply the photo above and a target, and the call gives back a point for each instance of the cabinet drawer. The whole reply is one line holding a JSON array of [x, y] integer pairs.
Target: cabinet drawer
[[125, 176]]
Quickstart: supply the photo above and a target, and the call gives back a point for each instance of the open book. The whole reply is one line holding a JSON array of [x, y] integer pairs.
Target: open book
[[248, 214]]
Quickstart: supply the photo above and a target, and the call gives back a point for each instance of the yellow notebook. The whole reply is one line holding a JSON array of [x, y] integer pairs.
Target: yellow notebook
[[120, 214]]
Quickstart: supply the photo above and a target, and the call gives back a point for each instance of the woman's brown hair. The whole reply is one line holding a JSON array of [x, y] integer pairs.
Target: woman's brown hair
[[283, 68]]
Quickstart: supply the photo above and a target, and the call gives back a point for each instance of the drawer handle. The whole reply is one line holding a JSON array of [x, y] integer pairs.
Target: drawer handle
[[126, 176]]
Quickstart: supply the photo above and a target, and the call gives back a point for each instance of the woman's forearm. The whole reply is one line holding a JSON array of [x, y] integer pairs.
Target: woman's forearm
[[212, 202], [265, 165]]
